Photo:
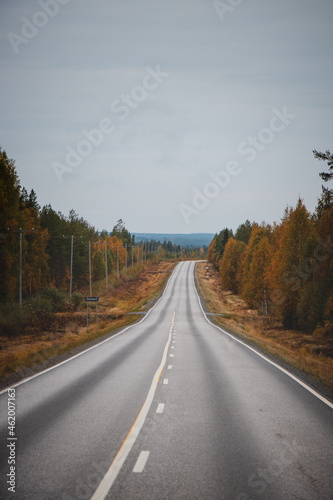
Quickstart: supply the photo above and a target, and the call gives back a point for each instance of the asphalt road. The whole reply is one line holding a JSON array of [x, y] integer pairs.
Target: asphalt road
[[171, 408]]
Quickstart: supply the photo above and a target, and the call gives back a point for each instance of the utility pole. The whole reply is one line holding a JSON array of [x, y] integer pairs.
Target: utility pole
[[106, 266], [21, 260], [90, 268], [20, 285], [71, 278]]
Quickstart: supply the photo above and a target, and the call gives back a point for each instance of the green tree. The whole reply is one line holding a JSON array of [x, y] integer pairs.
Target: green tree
[[35, 272], [314, 308], [10, 222], [243, 232], [121, 232], [59, 245], [217, 246], [326, 199]]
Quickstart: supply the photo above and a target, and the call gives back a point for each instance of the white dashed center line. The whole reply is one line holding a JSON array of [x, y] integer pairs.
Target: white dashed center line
[[165, 381], [141, 462], [160, 408], [170, 367]]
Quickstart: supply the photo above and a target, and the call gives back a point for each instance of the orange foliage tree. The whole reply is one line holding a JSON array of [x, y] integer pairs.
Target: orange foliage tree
[[229, 267]]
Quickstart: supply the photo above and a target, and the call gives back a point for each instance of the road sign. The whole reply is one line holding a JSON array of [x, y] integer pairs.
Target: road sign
[[92, 299]]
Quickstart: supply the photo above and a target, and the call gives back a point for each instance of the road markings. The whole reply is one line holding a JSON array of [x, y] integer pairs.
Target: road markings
[[103, 342], [141, 462], [171, 355], [165, 381], [160, 408], [111, 475], [170, 367], [299, 381]]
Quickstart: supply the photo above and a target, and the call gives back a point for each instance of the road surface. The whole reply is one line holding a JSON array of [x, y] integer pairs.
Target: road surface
[[171, 408]]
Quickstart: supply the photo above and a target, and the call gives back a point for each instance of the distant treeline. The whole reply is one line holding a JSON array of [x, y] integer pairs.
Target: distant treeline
[[285, 269], [49, 247], [193, 240]]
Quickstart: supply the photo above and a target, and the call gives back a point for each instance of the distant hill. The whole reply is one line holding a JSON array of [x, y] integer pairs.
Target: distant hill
[[184, 240]]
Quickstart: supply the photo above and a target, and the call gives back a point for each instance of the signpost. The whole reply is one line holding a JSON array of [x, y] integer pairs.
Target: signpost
[[92, 299]]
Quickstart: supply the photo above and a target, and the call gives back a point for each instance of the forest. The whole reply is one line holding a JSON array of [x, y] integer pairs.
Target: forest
[[284, 270], [43, 250]]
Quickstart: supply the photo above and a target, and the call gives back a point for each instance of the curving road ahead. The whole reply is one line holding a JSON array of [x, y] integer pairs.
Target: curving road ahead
[[171, 408]]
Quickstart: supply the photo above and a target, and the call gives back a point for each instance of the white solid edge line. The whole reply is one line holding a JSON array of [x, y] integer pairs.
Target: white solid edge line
[[111, 475], [299, 381], [94, 346]]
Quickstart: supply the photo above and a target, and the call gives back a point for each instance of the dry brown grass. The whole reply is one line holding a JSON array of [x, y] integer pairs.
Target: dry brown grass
[[70, 330], [311, 354]]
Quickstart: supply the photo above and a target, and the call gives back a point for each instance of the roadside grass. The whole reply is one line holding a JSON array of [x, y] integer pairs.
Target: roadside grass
[[132, 293], [307, 353]]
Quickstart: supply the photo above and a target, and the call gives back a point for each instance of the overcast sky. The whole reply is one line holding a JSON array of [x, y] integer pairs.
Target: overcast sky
[[176, 116]]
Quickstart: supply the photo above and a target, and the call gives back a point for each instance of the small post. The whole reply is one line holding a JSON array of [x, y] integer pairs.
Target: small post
[[90, 268], [92, 299], [118, 263], [87, 320]]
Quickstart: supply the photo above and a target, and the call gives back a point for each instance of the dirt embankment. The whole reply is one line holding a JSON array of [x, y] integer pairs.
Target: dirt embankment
[[308, 355]]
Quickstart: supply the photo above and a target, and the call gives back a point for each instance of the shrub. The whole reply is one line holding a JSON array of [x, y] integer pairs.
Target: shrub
[[41, 311], [55, 297], [324, 331], [76, 300], [13, 319]]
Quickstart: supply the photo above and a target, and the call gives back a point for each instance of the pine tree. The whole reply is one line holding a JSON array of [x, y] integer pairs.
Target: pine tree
[[10, 222]]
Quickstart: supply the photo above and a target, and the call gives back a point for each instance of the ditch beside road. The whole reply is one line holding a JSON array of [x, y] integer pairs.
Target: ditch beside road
[[23, 355], [308, 357]]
